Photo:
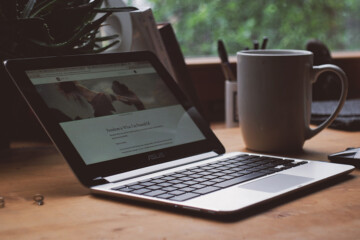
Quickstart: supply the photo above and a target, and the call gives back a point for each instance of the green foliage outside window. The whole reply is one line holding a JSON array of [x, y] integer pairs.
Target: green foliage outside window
[[287, 24]]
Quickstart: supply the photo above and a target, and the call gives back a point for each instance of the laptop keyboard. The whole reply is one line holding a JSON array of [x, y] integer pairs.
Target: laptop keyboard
[[203, 179]]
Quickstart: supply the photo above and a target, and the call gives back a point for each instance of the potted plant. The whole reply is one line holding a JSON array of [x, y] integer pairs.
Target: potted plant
[[35, 28]]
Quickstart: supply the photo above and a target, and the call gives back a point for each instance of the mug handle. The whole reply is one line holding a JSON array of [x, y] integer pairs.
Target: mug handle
[[316, 71]]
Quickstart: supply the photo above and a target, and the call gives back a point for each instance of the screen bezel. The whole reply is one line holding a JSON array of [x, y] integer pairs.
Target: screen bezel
[[87, 173]]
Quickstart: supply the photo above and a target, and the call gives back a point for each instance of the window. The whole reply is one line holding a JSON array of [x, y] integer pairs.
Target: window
[[287, 24]]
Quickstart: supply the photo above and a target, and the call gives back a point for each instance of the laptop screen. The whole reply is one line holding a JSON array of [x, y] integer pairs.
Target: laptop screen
[[110, 111]]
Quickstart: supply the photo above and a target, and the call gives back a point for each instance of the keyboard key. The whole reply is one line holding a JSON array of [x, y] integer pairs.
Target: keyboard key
[[141, 191], [206, 190], [210, 177], [180, 185], [223, 168], [197, 186], [243, 158], [133, 184], [222, 163], [239, 168], [207, 167], [168, 189], [238, 180], [196, 175], [205, 173], [200, 180], [226, 177], [136, 186], [175, 181], [158, 181], [165, 184], [185, 196], [209, 183], [185, 178], [217, 180], [214, 165], [178, 175], [274, 169], [176, 192], [247, 161], [302, 162], [219, 174], [146, 184], [239, 173], [268, 171], [165, 196], [168, 178], [188, 189], [239, 164], [190, 183], [231, 165], [154, 193], [155, 187], [123, 189], [253, 164], [187, 172]]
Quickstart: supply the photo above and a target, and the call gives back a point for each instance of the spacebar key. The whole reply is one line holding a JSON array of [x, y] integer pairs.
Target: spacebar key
[[184, 196], [238, 180]]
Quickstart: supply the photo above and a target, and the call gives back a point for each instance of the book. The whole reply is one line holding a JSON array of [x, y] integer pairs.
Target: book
[[144, 22], [137, 31]]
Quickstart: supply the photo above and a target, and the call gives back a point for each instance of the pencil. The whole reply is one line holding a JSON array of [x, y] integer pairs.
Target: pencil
[[264, 43]]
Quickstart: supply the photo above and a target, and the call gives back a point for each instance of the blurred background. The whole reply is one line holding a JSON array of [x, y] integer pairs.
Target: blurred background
[[287, 24]]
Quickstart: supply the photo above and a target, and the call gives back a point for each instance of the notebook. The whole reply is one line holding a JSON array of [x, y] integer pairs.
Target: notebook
[[126, 130]]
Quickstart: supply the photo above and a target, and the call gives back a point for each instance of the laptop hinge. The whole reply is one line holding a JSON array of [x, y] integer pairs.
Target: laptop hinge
[[159, 167], [99, 180]]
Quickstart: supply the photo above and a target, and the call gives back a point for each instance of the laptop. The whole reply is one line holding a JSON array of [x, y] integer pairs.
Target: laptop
[[126, 130]]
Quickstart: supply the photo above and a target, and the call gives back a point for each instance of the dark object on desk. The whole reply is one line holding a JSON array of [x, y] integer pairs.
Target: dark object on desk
[[225, 64], [38, 199], [348, 118], [328, 85], [350, 156]]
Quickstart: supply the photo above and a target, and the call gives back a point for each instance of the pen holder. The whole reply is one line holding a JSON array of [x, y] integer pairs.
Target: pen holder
[[231, 109]]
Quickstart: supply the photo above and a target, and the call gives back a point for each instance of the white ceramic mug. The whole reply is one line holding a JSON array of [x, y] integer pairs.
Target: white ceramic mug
[[274, 98]]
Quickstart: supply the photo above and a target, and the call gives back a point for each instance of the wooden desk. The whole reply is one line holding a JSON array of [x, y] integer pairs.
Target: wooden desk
[[70, 212]]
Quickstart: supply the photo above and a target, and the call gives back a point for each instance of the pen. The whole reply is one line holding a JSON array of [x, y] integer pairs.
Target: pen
[[256, 44], [225, 62], [264, 42]]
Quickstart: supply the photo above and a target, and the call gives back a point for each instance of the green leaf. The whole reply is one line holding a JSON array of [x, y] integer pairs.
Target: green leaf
[[120, 9], [28, 8], [85, 30]]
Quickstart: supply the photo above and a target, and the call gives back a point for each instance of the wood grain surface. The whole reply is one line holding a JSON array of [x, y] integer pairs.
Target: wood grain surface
[[330, 211]]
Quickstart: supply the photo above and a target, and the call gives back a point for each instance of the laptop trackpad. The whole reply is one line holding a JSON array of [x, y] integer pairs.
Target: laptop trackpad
[[276, 183]]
